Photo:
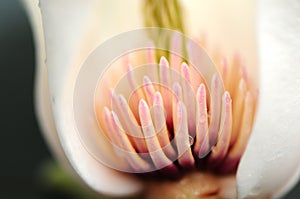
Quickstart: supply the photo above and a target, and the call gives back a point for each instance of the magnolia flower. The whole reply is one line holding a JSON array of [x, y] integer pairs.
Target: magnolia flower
[[66, 32]]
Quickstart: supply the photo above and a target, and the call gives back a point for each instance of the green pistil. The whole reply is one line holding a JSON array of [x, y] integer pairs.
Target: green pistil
[[163, 14]]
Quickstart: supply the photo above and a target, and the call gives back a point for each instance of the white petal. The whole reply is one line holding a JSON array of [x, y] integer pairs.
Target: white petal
[[271, 163], [228, 26], [72, 29], [42, 95]]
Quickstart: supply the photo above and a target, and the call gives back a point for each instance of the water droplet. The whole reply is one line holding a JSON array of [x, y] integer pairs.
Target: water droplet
[[191, 140]]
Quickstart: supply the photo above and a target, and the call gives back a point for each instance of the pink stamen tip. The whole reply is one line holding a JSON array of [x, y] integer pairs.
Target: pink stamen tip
[[227, 97], [164, 62], [202, 91], [129, 68], [122, 100], [143, 112], [184, 66], [185, 71], [142, 103], [149, 89], [146, 80], [216, 80], [115, 118], [157, 99], [111, 92]]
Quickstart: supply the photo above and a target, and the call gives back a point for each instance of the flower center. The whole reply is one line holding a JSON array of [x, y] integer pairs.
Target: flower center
[[170, 121]]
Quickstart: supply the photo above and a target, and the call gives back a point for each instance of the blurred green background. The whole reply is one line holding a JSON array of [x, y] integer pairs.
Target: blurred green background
[[23, 153]]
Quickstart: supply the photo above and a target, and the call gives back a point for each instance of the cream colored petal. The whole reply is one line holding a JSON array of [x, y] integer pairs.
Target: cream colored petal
[[271, 163], [228, 26], [42, 95], [72, 29]]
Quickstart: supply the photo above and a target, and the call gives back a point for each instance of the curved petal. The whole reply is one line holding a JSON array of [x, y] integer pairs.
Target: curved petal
[[42, 95], [72, 29], [271, 164]]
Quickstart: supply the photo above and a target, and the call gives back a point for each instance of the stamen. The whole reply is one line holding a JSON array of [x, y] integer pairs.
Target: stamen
[[159, 121], [175, 100], [136, 93], [136, 162], [108, 125], [177, 92], [201, 147], [215, 109], [182, 137], [239, 146], [149, 90], [165, 82], [188, 98], [129, 122], [164, 71], [115, 139], [185, 72], [220, 150], [157, 155]]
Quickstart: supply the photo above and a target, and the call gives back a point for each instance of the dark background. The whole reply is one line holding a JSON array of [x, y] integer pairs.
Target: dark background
[[22, 149]]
